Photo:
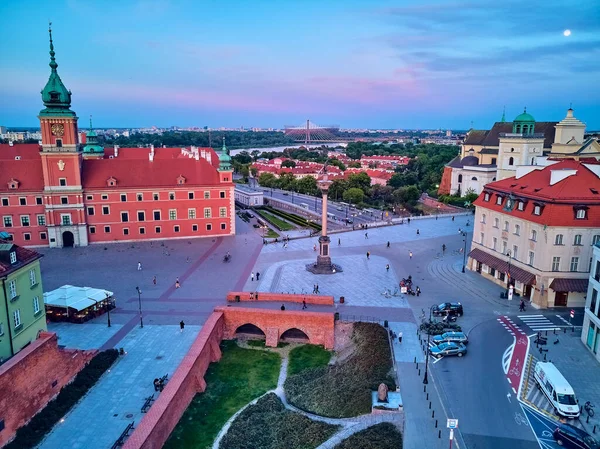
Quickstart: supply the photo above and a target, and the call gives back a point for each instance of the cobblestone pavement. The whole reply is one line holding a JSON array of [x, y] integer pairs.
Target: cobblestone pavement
[[94, 337], [100, 417]]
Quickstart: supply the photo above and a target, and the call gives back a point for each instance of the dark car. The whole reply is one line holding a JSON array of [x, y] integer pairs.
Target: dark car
[[444, 349], [448, 308], [572, 437]]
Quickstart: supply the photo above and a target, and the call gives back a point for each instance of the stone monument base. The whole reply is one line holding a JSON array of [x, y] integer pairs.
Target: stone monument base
[[323, 265]]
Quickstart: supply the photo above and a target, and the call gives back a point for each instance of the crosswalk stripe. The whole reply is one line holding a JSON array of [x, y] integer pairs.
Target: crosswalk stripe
[[528, 316]]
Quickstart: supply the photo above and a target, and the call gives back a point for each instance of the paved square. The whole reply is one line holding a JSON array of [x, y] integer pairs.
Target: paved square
[[410, 346], [99, 418], [362, 283], [83, 336]]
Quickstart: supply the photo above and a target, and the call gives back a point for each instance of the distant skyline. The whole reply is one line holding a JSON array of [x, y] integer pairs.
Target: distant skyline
[[418, 64]]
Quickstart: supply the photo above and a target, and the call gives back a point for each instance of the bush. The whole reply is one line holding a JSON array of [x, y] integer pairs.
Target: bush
[[306, 357], [41, 424], [344, 390], [277, 222], [380, 436], [293, 218], [268, 425]]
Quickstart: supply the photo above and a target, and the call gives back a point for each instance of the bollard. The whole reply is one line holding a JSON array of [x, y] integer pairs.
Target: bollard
[[594, 430], [436, 424], [564, 330], [425, 389], [546, 333], [419, 372], [430, 407], [544, 356], [417, 367], [415, 359], [433, 413], [439, 434], [573, 329], [553, 331], [586, 421], [427, 398]]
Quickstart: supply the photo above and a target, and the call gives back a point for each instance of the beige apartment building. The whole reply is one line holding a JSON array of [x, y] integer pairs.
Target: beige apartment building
[[536, 231]]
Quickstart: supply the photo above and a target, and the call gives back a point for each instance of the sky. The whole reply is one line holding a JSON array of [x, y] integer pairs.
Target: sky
[[269, 63]]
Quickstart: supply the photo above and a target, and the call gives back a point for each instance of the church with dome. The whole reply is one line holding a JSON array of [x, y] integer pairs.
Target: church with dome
[[495, 154]]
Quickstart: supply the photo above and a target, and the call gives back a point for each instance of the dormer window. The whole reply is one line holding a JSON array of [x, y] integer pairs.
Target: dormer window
[[180, 180], [111, 182], [13, 184], [13, 257], [486, 197], [499, 200], [521, 205], [537, 209], [581, 213]]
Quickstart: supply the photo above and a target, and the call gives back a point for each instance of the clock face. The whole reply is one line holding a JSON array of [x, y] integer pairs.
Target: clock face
[[58, 129]]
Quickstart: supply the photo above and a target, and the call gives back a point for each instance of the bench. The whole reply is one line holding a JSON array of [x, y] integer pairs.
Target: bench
[[148, 403], [121, 441], [159, 383]]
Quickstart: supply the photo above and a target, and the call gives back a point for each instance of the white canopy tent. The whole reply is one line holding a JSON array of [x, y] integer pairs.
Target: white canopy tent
[[77, 298]]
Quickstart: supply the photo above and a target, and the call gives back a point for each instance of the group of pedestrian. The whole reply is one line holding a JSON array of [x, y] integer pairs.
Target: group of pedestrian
[[252, 276], [316, 289], [393, 336]]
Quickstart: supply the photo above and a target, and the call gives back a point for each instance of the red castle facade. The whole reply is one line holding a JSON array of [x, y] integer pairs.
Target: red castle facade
[[65, 193]]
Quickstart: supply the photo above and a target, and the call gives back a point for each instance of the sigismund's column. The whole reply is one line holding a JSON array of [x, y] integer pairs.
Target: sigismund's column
[[324, 259]]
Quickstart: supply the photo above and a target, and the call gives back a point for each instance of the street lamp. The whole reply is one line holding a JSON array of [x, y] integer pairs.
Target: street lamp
[[464, 234], [425, 377], [108, 308], [140, 303], [315, 202], [508, 274]]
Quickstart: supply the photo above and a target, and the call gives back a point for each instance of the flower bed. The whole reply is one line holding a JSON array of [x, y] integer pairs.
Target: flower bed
[[380, 436]]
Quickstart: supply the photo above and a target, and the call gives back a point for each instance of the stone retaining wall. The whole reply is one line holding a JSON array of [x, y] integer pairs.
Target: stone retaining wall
[[280, 297]]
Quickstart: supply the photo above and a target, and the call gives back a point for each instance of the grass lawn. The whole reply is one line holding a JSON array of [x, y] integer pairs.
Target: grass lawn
[[380, 436], [268, 425], [306, 357], [271, 234], [344, 389], [240, 376], [278, 222]]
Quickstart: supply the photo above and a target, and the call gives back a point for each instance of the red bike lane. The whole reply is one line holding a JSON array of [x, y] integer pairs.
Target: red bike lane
[[519, 355]]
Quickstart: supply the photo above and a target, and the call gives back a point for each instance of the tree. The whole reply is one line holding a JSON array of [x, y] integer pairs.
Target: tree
[[354, 165], [408, 195], [381, 193], [245, 172], [337, 188], [307, 185], [242, 157], [354, 195], [254, 171], [288, 163], [286, 181], [402, 179], [359, 180], [267, 179], [255, 154], [338, 164]]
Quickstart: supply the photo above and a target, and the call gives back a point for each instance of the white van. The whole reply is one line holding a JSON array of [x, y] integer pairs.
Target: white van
[[557, 389]]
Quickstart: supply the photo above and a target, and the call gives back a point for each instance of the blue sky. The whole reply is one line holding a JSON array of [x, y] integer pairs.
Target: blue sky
[[355, 63]]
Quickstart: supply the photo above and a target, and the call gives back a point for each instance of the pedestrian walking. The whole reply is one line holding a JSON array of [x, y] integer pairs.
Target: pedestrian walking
[[187, 260], [388, 244], [317, 290], [368, 255], [282, 306], [315, 247], [452, 218], [436, 217], [177, 283], [339, 242], [314, 289], [139, 266], [303, 303], [181, 326], [408, 219], [410, 254], [399, 337], [387, 267], [257, 275], [252, 276], [154, 280], [418, 232], [522, 306], [366, 235], [418, 291]]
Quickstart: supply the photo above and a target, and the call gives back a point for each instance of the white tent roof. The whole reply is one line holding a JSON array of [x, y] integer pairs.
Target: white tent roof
[[78, 298]]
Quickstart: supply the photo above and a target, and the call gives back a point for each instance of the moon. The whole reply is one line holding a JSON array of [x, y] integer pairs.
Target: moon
[[567, 33]]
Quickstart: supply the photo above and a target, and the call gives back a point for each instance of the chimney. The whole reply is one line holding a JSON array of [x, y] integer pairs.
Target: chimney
[[196, 156], [11, 143], [203, 153], [152, 148], [151, 156], [209, 157], [116, 150]]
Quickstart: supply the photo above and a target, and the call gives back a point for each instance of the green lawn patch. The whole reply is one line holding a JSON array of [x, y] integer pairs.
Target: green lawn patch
[[277, 222], [344, 389], [293, 218], [271, 234], [379, 436], [306, 357], [41, 424], [239, 377], [268, 425]]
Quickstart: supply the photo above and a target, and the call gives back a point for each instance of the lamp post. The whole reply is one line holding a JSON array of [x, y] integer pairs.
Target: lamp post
[[315, 202], [108, 308], [508, 274], [464, 234], [140, 305], [425, 377]]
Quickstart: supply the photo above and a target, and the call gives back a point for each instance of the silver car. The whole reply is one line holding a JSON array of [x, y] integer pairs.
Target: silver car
[[453, 337]]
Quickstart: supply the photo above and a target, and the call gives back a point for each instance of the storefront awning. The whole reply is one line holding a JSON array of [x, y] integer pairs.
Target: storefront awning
[[516, 273], [78, 298], [565, 285]]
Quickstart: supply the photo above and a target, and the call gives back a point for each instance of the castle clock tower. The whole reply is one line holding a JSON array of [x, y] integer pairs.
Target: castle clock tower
[[61, 163]]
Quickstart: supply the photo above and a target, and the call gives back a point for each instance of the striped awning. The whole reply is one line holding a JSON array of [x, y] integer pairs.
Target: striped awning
[[516, 273], [565, 285]]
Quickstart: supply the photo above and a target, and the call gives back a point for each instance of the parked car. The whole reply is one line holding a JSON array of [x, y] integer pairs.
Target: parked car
[[285, 194], [451, 337], [349, 220], [444, 349], [448, 308], [573, 437]]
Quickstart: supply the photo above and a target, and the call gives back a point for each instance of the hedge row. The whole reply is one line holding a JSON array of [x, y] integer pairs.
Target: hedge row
[[269, 425], [293, 218], [41, 424], [344, 389], [277, 222], [380, 436]]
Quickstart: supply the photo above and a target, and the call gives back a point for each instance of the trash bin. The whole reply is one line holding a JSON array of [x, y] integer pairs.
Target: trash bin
[[385, 323], [336, 316], [342, 299], [237, 298]]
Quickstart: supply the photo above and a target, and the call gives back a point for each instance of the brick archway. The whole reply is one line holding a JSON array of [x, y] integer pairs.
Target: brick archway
[[318, 327], [250, 330], [295, 335]]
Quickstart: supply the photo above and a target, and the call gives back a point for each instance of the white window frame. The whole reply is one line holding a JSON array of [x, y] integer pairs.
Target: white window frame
[[7, 221], [192, 213], [499, 200], [506, 226], [558, 240], [555, 262], [483, 218], [574, 264], [41, 219], [537, 210], [515, 252], [517, 229], [12, 289], [496, 222], [65, 219], [577, 240], [533, 237], [494, 243], [207, 194], [581, 214], [207, 212], [521, 206], [36, 305], [32, 279], [486, 197], [222, 212], [172, 214], [17, 317], [26, 218], [531, 258]]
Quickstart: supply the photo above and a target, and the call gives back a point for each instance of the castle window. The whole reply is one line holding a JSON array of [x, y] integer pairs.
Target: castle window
[[580, 213], [22, 201], [221, 194], [64, 200], [104, 197], [58, 143], [88, 197], [511, 161], [140, 197], [41, 220], [92, 229], [195, 228], [25, 220], [190, 195], [90, 211], [43, 236], [125, 231], [8, 221], [459, 178], [62, 182], [123, 197], [499, 200], [5, 201], [142, 231], [124, 217], [209, 227], [107, 229], [171, 196], [155, 196], [521, 205], [157, 229], [105, 210], [176, 228], [223, 226]]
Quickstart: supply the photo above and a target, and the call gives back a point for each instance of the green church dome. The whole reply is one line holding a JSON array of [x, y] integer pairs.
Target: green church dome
[[524, 117]]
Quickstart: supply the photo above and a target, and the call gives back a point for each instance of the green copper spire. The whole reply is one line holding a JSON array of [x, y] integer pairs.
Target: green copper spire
[[224, 158], [56, 97], [503, 120], [92, 146]]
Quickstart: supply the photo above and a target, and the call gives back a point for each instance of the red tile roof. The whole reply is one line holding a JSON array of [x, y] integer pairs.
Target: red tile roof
[[24, 150], [24, 256], [27, 169], [558, 199]]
